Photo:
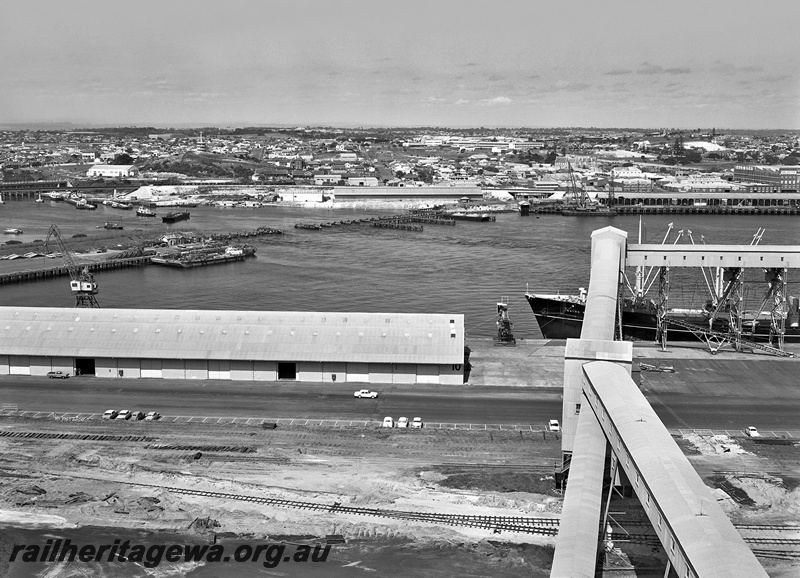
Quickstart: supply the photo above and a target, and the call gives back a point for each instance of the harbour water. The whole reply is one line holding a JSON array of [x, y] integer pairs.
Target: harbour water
[[443, 269]]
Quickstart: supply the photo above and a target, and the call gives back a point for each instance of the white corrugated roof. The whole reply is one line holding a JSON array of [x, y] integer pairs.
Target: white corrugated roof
[[243, 335]]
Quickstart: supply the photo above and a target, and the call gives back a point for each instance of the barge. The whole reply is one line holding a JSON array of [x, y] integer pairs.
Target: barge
[[175, 216], [205, 257]]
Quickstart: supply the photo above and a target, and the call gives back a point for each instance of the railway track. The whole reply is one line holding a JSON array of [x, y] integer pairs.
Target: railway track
[[653, 539], [69, 436], [740, 527], [518, 524]]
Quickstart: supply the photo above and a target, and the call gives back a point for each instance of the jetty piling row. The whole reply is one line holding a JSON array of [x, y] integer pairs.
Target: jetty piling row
[[388, 221], [396, 225], [38, 274]]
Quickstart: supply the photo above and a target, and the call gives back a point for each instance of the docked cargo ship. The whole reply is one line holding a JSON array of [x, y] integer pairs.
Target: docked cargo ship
[[176, 216], [561, 317]]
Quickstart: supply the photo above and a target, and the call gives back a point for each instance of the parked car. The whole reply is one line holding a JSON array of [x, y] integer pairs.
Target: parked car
[[152, 416], [110, 414], [137, 415], [124, 414], [402, 422], [553, 425], [57, 375], [365, 393], [417, 422], [387, 422], [752, 432]]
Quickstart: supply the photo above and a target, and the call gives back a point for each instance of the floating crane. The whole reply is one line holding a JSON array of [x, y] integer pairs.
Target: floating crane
[[504, 324], [82, 282]]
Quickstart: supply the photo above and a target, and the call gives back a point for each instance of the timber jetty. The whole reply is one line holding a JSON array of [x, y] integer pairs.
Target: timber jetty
[[387, 222], [63, 271]]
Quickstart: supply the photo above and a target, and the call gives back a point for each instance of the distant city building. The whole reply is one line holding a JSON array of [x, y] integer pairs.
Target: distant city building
[[362, 182], [781, 178], [626, 173], [327, 179], [117, 171]]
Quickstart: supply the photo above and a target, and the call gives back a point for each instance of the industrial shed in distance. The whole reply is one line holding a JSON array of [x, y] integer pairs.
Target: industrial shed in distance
[[236, 345]]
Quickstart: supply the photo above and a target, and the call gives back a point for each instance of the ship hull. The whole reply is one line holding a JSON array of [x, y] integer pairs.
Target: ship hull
[[175, 217], [563, 319]]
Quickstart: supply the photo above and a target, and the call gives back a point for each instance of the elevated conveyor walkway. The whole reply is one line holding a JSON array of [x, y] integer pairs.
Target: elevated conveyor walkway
[[745, 256], [603, 409], [696, 533]]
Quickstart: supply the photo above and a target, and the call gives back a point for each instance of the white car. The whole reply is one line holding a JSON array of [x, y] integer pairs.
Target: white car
[[152, 416], [553, 425], [417, 422], [387, 422], [402, 422], [366, 393], [110, 414], [124, 414], [752, 432]]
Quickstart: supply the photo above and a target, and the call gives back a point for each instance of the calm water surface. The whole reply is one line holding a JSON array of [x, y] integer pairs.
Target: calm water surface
[[462, 269]]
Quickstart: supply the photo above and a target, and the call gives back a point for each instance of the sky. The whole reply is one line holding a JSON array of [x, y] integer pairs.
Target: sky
[[447, 63]]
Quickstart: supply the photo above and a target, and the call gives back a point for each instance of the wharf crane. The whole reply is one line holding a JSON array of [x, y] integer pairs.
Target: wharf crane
[[82, 282]]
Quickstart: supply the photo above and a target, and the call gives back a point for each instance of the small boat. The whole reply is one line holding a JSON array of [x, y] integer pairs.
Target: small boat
[[39, 199], [145, 212], [175, 216], [112, 226], [82, 204], [12, 231]]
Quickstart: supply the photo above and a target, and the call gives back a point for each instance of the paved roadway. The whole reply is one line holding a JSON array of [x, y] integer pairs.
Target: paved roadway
[[434, 403]]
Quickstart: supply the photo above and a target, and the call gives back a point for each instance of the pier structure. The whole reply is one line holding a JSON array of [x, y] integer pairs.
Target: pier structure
[[62, 271], [606, 419]]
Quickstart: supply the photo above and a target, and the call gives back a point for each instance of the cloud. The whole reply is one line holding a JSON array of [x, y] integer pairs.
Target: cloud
[[647, 68], [566, 86], [728, 68], [774, 78], [434, 99], [497, 100], [618, 72], [461, 101]]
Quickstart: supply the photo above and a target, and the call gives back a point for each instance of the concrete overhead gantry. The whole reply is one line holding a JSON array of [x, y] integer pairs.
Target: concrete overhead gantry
[[604, 413]]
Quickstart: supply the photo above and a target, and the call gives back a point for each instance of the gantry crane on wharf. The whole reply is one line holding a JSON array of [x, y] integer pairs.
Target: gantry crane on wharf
[[82, 282]]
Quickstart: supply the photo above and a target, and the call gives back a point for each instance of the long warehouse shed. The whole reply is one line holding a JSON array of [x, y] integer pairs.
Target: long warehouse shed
[[236, 345]]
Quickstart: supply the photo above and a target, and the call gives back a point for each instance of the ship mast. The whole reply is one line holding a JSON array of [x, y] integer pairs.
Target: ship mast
[[639, 288]]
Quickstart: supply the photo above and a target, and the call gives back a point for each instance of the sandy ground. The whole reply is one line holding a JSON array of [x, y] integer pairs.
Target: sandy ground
[[63, 483], [55, 483]]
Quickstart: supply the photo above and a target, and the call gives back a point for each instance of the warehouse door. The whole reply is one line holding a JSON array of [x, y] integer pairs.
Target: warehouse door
[[427, 374], [219, 369], [151, 368], [287, 370], [19, 365], [84, 366]]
